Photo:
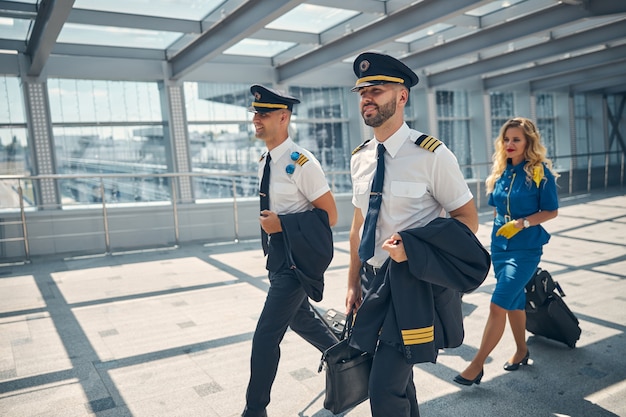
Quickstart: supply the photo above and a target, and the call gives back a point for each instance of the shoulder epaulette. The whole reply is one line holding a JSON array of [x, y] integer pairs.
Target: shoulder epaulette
[[428, 142], [302, 160], [358, 148]]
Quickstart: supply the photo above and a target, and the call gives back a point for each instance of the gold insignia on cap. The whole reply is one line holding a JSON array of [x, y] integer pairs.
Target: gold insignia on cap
[[380, 78], [269, 105], [364, 65]]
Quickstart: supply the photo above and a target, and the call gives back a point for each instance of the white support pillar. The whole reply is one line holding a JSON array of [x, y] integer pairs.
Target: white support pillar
[[173, 105], [41, 140]]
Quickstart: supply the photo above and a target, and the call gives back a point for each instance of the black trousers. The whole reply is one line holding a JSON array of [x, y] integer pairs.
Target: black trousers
[[286, 305], [391, 388]]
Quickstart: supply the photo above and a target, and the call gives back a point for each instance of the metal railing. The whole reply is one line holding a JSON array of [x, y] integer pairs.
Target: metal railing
[[337, 180]]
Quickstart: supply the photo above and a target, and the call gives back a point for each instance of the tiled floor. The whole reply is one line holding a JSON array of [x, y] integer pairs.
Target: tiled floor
[[167, 333]]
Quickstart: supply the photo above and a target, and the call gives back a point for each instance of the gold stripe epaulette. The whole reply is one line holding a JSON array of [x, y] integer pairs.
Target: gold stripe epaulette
[[418, 336], [302, 160], [358, 148], [428, 142]]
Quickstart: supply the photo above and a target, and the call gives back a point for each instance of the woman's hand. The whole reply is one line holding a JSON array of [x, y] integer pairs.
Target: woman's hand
[[508, 230]]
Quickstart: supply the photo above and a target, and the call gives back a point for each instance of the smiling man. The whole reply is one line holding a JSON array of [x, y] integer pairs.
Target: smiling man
[[402, 181], [293, 191]]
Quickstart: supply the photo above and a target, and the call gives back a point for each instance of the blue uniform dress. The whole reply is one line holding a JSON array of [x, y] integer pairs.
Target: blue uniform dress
[[515, 260]]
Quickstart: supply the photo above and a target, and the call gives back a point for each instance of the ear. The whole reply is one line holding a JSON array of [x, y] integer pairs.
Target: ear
[[404, 95]]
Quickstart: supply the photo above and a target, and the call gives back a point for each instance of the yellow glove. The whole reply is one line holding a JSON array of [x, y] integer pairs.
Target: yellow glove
[[508, 230]]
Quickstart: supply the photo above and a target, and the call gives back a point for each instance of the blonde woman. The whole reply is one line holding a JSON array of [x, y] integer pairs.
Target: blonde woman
[[522, 188]]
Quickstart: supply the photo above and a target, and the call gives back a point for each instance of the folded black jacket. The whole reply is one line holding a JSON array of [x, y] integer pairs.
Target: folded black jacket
[[306, 246], [416, 305]]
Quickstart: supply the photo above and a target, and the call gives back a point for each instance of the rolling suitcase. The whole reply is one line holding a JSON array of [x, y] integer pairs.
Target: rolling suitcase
[[546, 313]]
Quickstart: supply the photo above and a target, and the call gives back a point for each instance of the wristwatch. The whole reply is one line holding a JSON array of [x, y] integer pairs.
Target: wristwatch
[[526, 223]]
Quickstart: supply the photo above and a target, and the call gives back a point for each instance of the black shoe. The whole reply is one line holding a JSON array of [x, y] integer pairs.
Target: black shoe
[[460, 380], [515, 366], [248, 413]]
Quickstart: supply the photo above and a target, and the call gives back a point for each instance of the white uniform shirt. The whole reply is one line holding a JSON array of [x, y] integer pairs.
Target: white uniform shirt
[[418, 187], [293, 193]]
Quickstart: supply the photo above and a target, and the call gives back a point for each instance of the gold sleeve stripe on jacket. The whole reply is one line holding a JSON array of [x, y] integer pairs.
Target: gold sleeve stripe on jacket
[[418, 336]]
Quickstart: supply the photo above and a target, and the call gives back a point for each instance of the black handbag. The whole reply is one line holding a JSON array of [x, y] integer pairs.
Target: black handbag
[[347, 373]]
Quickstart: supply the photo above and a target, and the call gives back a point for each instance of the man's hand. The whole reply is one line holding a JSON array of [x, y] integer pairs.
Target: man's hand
[[395, 247], [270, 222], [354, 298], [508, 230]]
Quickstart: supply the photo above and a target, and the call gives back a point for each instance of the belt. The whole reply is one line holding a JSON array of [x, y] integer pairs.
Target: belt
[[373, 270], [504, 218]]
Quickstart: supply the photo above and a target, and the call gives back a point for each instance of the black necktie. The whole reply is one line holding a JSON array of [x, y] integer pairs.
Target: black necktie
[[264, 193], [366, 248]]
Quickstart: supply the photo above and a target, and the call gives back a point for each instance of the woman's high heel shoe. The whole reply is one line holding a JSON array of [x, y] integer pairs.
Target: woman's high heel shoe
[[463, 381], [515, 366]]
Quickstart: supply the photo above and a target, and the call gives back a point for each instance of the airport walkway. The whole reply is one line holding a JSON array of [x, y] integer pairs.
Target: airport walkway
[[168, 333]]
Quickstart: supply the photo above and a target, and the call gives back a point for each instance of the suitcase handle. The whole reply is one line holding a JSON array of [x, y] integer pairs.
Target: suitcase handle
[[559, 289]]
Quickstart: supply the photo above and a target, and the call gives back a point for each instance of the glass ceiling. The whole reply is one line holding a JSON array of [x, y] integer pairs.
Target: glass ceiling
[[176, 9], [424, 33], [16, 29], [309, 37], [259, 48], [306, 18], [492, 7], [311, 19], [116, 36]]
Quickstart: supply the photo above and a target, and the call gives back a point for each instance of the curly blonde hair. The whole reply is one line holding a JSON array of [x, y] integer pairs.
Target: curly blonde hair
[[534, 154]]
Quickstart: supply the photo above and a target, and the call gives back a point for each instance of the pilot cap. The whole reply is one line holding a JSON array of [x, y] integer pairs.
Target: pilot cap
[[372, 68], [267, 100]]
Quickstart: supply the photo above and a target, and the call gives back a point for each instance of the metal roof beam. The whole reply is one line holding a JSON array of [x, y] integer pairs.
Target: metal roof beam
[[620, 89], [71, 49], [523, 26], [576, 77], [410, 19], [555, 47], [600, 84], [17, 7], [558, 67], [283, 35], [133, 21], [236, 26], [602, 8], [48, 24], [363, 6], [14, 10], [12, 45]]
